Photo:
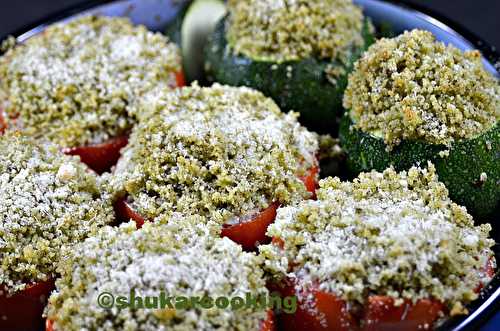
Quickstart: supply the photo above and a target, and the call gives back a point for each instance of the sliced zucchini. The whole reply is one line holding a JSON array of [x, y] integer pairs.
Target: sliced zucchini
[[461, 167], [191, 30], [302, 85]]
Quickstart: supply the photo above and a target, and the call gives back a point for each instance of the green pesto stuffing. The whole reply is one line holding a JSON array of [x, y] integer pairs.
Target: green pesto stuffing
[[414, 88], [77, 83], [223, 152], [47, 201], [288, 30], [149, 261], [393, 234]]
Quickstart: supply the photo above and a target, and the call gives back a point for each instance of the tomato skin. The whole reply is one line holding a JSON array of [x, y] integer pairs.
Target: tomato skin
[[383, 315], [269, 323], [24, 309], [248, 234], [3, 124], [100, 157], [310, 180], [316, 310], [180, 80], [49, 325], [125, 213], [322, 311], [245, 233]]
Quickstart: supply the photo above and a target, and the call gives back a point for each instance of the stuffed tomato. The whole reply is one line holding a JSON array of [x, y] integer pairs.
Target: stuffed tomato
[[411, 100], [48, 202], [77, 83], [297, 52], [198, 275], [224, 152], [388, 251]]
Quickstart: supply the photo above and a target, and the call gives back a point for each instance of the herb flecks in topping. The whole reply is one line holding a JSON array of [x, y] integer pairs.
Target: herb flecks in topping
[[222, 152], [414, 88], [287, 30], [47, 201], [149, 261], [393, 234], [77, 83]]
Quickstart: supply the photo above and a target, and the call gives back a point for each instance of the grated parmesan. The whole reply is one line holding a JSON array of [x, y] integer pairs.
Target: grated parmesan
[[392, 234], [151, 260], [47, 201], [220, 152], [77, 83], [414, 88], [290, 30]]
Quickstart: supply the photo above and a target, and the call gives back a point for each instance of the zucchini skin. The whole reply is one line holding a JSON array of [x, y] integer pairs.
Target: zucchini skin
[[305, 88], [459, 171]]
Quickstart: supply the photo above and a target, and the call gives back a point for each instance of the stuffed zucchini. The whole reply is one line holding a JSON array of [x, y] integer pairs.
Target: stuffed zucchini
[[412, 99], [297, 52]]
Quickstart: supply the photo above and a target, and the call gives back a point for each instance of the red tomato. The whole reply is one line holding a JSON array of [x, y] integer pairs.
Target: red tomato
[[249, 233], [382, 315], [49, 325], [3, 125], [246, 233], [268, 324], [324, 311], [100, 157], [252, 232], [316, 310], [321, 311], [23, 310], [310, 180], [179, 79], [489, 270], [125, 213]]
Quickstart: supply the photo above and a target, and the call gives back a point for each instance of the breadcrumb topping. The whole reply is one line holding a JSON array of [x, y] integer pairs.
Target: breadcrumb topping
[[393, 234], [47, 201], [414, 88], [222, 152], [287, 30], [77, 83], [149, 261]]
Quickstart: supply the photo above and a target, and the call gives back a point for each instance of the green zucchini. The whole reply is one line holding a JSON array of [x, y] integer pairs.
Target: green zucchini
[[302, 86], [460, 170], [191, 29]]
